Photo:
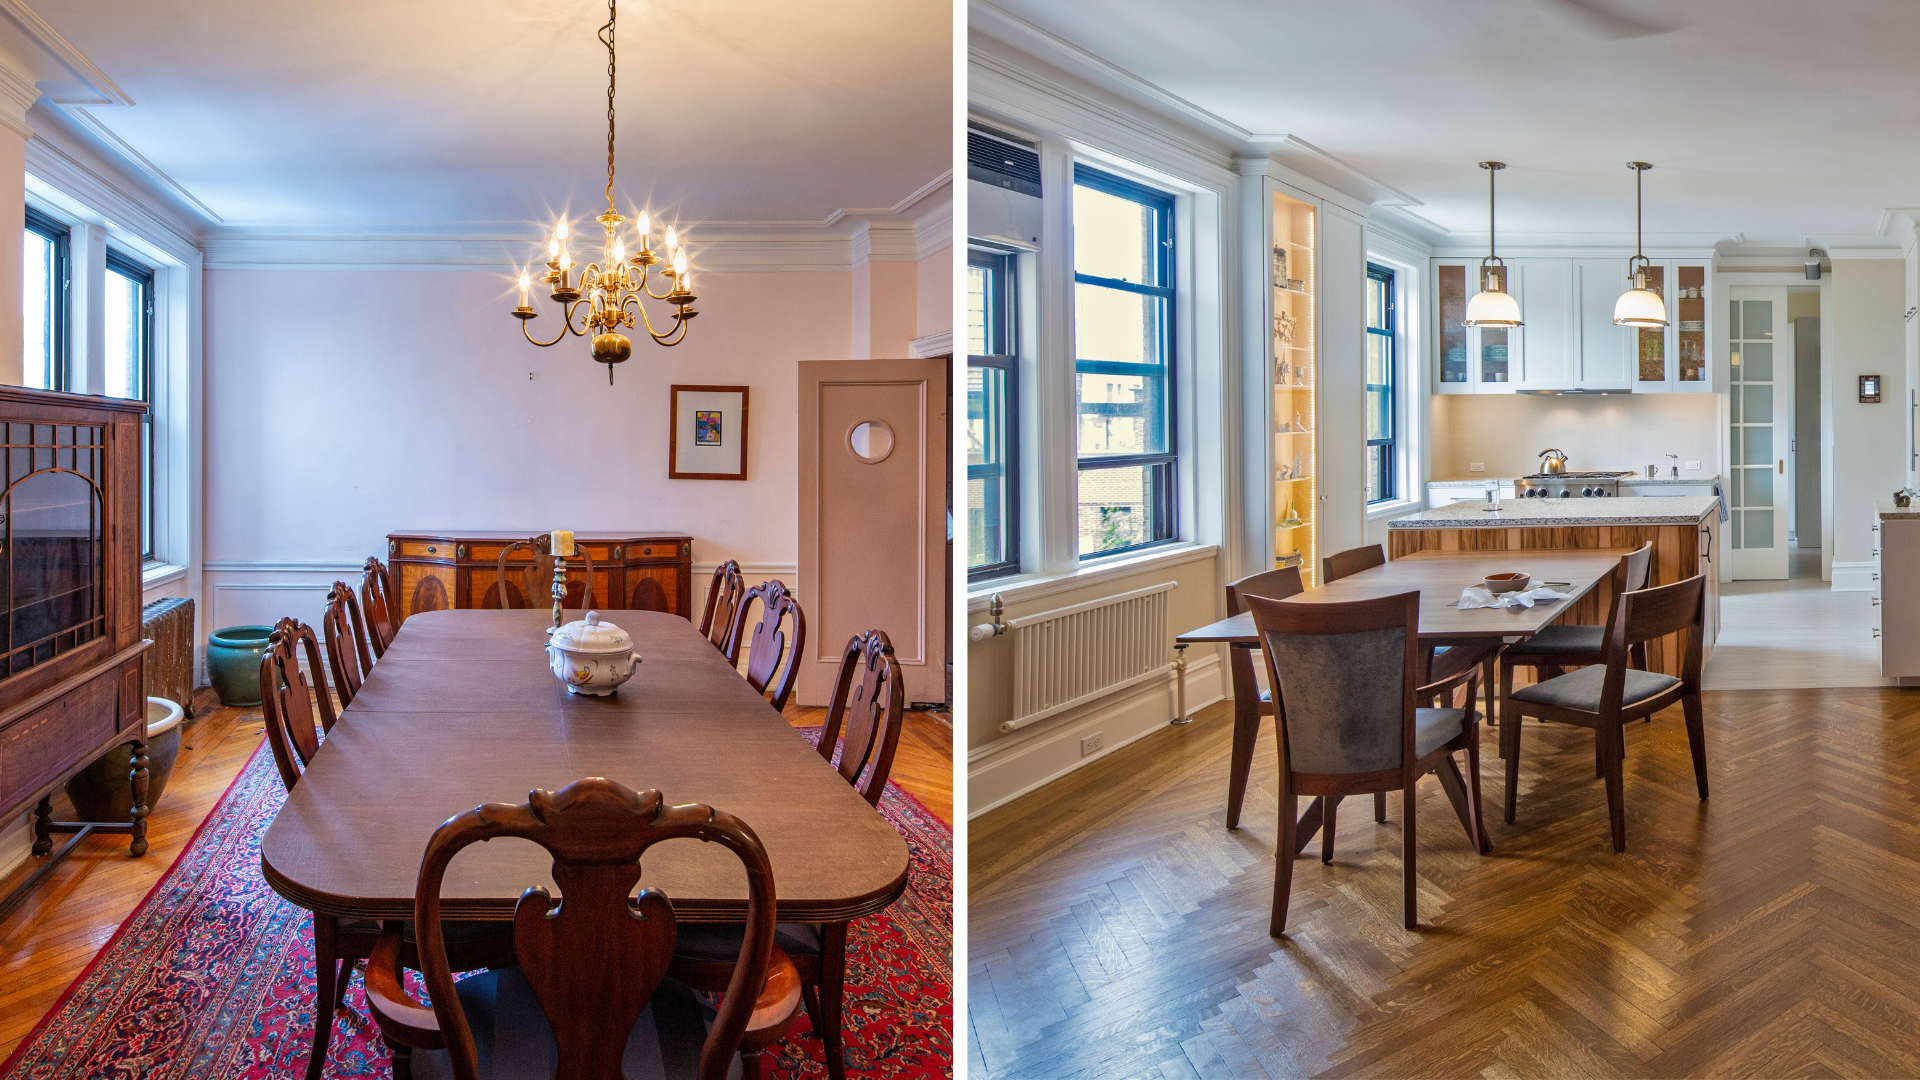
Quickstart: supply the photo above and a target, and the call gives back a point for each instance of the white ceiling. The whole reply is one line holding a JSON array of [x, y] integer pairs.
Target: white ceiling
[[1774, 121], [272, 112]]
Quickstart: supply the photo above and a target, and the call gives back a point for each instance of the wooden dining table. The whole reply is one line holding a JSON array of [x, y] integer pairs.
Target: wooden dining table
[[1439, 577], [462, 710]]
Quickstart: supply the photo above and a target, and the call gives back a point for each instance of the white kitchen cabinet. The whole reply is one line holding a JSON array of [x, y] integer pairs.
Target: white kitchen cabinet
[[1604, 347], [1549, 338]]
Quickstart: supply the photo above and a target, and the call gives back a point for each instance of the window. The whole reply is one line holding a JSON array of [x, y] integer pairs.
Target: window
[[993, 492], [44, 364], [1123, 342], [1382, 367], [128, 341]]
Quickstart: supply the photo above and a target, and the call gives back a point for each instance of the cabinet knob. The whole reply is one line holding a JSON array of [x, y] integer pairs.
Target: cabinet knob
[[1876, 631]]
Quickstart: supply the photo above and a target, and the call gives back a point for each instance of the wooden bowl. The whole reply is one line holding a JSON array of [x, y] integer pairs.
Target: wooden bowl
[[1499, 583]]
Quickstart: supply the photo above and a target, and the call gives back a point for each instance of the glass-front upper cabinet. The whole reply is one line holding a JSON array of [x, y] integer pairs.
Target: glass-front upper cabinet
[[1472, 360], [1674, 360]]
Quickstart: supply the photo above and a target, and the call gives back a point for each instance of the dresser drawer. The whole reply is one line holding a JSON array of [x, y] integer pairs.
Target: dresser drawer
[[49, 741]]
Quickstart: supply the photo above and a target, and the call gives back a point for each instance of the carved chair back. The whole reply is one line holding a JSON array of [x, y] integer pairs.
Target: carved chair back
[[770, 642], [866, 714], [287, 699], [723, 595], [383, 614], [347, 659], [594, 957], [535, 585], [1350, 562]]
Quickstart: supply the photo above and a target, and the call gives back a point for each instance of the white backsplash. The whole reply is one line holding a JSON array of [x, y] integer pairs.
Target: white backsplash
[[1616, 431]]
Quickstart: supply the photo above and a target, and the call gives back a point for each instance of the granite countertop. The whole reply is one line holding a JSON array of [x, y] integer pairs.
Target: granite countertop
[[1553, 513], [1891, 512], [1635, 481]]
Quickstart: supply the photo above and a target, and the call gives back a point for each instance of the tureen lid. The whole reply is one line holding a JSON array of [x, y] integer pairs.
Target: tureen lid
[[592, 635]]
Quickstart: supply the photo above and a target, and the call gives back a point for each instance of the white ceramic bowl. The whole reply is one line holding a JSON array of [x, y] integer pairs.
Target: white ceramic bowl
[[591, 657], [1499, 583]]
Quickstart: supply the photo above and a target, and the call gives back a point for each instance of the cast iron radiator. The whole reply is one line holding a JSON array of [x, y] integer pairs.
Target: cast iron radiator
[[168, 665]]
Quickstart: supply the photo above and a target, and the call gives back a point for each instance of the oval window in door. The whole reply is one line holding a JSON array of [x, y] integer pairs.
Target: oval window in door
[[870, 440]]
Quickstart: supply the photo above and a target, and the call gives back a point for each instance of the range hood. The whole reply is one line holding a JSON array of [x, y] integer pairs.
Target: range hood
[[1575, 390]]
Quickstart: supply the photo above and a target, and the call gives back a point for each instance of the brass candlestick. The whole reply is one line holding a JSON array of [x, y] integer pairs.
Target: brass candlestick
[[559, 590]]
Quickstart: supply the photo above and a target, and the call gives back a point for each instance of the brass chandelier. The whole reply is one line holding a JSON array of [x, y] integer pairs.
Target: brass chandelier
[[608, 292]]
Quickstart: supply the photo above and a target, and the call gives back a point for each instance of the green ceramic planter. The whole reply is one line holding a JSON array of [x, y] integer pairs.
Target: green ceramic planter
[[233, 662], [102, 790]]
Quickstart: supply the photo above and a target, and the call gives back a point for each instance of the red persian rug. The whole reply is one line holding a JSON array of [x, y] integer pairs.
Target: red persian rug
[[212, 975]]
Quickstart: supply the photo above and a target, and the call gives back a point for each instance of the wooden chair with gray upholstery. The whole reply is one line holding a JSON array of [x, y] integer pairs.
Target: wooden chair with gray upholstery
[[1557, 647], [1607, 695], [1274, 585], [1347, 680]]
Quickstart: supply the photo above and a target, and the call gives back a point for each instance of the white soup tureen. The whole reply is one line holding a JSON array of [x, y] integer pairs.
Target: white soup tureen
[[592, 657]]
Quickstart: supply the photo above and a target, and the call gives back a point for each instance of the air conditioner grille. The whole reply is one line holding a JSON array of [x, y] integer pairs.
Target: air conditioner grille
[[991, 161]]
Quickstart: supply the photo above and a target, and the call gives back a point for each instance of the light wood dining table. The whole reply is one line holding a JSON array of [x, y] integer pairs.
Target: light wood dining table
[[462, 710], [1439, 577]]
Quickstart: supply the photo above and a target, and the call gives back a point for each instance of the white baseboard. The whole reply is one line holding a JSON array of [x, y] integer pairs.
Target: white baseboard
[[1008, 768], [1855, 577]]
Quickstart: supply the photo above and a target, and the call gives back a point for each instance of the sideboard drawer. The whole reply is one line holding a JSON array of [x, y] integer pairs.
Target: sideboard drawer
[[46, 743], [425, 549]]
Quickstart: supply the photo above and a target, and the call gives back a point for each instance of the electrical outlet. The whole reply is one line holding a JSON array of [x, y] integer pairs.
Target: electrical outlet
[[1092, 743], [1476, 466], [1693, 466]]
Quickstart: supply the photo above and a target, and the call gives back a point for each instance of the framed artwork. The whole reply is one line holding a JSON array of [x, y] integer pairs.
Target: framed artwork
[[709, 433], [1870, 389]]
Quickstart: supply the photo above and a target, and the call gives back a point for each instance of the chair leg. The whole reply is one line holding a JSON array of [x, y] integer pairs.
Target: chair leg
[[810, 998], [1697, 739], [1246, 733], [833, 992], [1380, 807], [1485, 842], [402, 1061], [1509, 740], [1599, 755], [750, 1065], [1611, 735], [326, 966], [1326, 829], [1410, 893], [1283, 854]]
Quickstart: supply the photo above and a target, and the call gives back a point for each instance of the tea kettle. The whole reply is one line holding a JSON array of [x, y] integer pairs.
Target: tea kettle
[[1556, 462]]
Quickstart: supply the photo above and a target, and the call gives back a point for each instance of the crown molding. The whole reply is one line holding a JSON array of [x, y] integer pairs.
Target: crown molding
[[99, 130], [62, 174], [95, 88]]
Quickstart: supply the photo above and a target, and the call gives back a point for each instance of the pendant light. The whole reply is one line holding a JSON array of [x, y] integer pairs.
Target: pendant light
[[1639, 306], [1491, 306]]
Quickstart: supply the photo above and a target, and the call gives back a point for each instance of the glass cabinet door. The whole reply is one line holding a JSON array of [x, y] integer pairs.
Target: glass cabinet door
[[1453, 336], [1690, 322], [1650, 343]]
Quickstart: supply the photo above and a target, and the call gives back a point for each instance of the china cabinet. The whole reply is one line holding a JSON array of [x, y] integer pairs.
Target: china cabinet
[[1294, 364]]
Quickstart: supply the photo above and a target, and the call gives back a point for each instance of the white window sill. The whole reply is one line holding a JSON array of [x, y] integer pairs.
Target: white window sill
[[153, 575], [1023, 587], [1396, 508]]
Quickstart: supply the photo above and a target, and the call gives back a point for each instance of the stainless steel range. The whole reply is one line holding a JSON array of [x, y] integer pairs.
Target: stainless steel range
[[1573, 485]]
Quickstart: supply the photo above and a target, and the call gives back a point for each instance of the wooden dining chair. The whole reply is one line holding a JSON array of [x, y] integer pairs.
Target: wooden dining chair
[[535, 588], [1350, 562], [383, 614], [347, 658], [769, 642], [1274, 585], [1605, 696], [1347, 685], [287, 704], [863, 723], [592, 994], [723, 595]]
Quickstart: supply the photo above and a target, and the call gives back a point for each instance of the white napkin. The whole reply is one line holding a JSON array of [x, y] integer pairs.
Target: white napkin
[[1477, 596]]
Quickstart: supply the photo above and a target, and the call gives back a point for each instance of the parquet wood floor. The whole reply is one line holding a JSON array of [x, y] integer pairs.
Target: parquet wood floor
[[1117, 929], [49, 941]]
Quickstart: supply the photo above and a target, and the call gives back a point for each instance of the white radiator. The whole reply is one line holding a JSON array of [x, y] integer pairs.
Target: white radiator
[[1072, 655]]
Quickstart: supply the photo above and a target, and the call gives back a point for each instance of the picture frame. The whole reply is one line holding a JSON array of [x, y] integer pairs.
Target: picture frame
[[707, 432], [1870, 389]]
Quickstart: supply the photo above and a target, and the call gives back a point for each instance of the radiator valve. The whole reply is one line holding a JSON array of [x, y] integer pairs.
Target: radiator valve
[[985, 630]]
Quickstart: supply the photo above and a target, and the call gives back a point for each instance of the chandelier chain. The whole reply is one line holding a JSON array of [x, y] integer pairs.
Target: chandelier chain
[[606, 35]]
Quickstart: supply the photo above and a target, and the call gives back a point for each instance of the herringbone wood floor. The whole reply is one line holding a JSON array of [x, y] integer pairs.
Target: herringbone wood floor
[[1117, 929]]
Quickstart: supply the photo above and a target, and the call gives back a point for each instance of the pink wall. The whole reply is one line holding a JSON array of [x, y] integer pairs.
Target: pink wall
[[341, 405], [936, 293]]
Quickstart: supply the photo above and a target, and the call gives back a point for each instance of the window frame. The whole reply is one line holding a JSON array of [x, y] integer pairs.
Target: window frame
[[1388, 475], [117, 263], [61, 235], [1163, 513], [1004, 327]]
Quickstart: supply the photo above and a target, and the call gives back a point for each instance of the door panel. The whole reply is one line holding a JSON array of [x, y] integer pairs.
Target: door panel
[[1603, 346], [1759, 384], [873, 517]]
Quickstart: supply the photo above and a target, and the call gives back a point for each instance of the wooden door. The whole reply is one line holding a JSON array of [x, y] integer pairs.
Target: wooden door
[[873, 493]]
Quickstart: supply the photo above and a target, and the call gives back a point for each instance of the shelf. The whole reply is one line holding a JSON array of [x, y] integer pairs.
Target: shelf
[[1289, 528], [1292, 244], [1296, 292], [1290, 479], [1292, 386], [1278, 432]]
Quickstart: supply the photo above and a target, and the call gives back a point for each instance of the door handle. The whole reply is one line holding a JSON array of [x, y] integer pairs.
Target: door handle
[[1783, 466]]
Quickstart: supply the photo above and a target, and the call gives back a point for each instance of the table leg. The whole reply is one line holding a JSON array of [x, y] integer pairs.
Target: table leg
[[1246, 730]]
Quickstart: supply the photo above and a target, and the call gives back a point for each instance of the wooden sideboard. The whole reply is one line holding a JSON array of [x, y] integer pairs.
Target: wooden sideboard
[[71, 686], [432, 571]]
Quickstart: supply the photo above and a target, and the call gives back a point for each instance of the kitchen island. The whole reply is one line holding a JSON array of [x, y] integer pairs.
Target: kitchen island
[[1685, 532]]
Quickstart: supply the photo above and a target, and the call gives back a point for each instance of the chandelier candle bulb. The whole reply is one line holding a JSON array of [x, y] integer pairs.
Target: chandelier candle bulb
[[563, 543], [523, 289]]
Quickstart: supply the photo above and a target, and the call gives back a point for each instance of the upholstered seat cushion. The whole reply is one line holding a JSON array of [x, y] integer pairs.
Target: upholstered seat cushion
[[720, 942], [1581, 689], [1559, 640], [1434, 728], [513, 1041]]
